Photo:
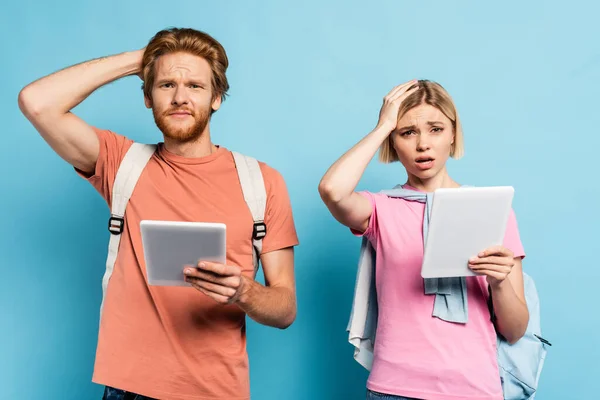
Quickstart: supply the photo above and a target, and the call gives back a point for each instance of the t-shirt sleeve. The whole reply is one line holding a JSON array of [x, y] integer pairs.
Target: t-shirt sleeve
[[512, 239], [372, 228], [279, 219], [113, 148]]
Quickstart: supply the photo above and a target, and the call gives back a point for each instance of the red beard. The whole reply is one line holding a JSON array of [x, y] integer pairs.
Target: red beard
[[182, 134]]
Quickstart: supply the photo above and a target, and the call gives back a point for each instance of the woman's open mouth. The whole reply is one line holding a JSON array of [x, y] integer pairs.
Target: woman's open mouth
[[424, 163]]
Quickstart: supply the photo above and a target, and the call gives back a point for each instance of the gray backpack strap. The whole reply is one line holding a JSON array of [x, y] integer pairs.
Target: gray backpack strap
[[127, 176], [253, 188]]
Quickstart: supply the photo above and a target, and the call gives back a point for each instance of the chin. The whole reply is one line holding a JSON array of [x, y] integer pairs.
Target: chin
[[181, 125], [425, 175], [182, 136], [183, 132]]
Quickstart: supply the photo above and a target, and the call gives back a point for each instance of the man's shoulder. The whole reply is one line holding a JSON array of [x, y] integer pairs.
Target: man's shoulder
[[270, 174]]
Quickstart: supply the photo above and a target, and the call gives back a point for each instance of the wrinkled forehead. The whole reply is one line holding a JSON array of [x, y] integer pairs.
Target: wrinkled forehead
[[423, 114], [182, 65]]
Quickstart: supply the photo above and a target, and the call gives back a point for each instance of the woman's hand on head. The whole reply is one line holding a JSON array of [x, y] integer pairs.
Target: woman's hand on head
[[388, 115]]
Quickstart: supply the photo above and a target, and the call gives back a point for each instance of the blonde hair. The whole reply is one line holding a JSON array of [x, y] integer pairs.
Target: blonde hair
[[189, 41], [435, 95]]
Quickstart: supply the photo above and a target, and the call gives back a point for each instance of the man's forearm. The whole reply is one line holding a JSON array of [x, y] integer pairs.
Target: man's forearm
[[61, 91], [273, 306], [512, 315]]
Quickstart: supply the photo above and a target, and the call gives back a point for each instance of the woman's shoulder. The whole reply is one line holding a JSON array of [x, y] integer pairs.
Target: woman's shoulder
[[385, 201]]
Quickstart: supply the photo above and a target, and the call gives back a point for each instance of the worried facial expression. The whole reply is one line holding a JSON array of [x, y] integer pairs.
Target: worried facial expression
[[423, 141], [182, 96]]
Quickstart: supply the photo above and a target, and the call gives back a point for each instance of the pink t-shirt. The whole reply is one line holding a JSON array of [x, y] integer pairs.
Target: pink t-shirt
[[417, 355]]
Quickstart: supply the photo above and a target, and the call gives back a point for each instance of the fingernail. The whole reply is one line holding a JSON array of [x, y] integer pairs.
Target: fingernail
[[188, 271], [201, 265]]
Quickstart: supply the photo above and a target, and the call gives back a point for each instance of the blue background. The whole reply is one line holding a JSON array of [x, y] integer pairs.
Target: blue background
[[306, 84]]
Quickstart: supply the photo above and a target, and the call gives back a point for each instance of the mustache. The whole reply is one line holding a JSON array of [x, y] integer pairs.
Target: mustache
[[178, 109]]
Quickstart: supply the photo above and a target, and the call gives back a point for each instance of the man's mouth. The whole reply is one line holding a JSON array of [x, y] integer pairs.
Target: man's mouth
[[180, 112]]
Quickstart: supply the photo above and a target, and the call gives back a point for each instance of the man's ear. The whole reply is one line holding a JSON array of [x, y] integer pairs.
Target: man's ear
[[147, 102], [216, 103]]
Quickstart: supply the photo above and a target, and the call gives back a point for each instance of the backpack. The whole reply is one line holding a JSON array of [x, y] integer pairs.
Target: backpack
[[520, 364], [130, 169]]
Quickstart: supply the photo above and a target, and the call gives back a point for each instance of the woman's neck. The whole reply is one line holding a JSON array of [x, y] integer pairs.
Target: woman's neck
[[440, 180]]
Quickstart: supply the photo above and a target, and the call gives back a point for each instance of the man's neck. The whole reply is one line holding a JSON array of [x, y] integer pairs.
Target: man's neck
[[197, 148]]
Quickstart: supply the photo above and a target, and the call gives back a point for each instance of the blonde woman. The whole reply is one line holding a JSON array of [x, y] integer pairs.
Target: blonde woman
[[425, 348]]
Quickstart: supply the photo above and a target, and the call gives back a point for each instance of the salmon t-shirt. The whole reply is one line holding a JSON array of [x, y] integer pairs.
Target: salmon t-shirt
[[417, 355], [176, 342]]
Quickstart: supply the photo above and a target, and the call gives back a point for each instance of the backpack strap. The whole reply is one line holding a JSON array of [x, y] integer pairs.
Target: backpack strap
[[129, 171], [253, 188]]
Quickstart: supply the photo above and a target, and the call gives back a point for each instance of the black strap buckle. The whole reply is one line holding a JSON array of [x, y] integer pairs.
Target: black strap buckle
[[541, 339], [115, 225], [259, 231]]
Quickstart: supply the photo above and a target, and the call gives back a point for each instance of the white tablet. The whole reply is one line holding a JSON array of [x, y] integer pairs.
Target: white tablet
[[464, 221], [171, 245]]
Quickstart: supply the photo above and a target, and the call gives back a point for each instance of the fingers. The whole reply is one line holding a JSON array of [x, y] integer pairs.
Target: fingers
[[215, 296], [219, 269], [496, 251], [497, 276], [400, 90], [226, 291], [388, 114], [219, 281], [495, 263], [403, 95], [486, 269], [392, 103], [230, 281], [491, 267], [492, 260]]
